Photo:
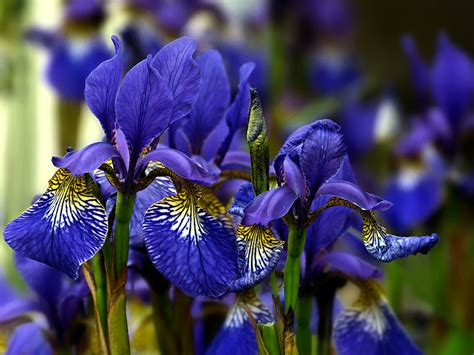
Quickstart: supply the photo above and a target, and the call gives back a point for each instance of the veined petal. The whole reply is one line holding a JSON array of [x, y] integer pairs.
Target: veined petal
[[321, 155], [237, 332], [177, 67], [386, 247], [353, 193], [64, 228], [269, 206], [181, 165], [143, 106], [101, 89], [194, 250], [212, 101], [259, 252], [87, 159], [294, 178], [243, 197], [370, 327]]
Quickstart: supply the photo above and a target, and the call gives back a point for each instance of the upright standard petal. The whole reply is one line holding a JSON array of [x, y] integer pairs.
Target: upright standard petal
[[87, 159], [259, 252], [322, 155], [212, 101], [101, 89], [370, 327], [181, 165], [237, 333], [64, 228], [143, 106], [386, 247], [193, 249], [269, 206], [177, 67]]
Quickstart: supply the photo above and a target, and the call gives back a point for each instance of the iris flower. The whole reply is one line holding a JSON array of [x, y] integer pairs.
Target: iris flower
[[68, 224]]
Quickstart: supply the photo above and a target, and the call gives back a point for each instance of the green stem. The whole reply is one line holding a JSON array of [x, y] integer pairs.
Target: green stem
[[303, 321], [123, 215], [117, 318], [296, 241], [270, 338], [101, 288]]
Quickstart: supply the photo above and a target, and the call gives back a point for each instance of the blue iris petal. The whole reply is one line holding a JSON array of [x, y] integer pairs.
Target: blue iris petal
[[371, 331], [28, 338], [64, 228], [259, 253], [237, 332], [193, 249]]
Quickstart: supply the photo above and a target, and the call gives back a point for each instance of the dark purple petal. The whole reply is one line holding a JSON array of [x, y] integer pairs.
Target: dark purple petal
[[237, 333], [101, 89], [453, 81], [294, 178], [181, 165], [194, 250], [236, 160], [46, 281], [143, 106], [259, 252], [177, 67], [28, 338], [87, 159], [345, 171], [322, 155], [84, 10], [244, 196], [212, 101], [64, 228], [353, 193], [236, 115], [269, 206], [349, 265], [45, 38], [358, 126], [372, 330], [122, 147]]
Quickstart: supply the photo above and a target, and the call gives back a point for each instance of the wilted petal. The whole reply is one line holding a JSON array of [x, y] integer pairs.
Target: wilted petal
[[101, 89], [194, 250], [64, 228], [349, 265], [371, 330], [181, 165], [386, 247], [28, 338], [259, 252], [143, 106], [268, 206], [177, 67], [353, 193], [322, 155], [87, 159], [237, 333], [212, 101]]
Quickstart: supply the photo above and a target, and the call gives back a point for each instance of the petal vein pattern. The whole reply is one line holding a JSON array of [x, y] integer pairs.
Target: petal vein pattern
[[64, 228]]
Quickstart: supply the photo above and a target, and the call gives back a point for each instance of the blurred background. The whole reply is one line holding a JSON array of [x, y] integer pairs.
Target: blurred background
[[398, 77]]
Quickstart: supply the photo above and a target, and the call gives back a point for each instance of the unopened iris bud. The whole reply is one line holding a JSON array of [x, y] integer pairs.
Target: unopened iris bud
[[258, 144]]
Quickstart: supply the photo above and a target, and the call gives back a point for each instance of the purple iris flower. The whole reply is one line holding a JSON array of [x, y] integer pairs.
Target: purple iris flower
[[312, 163], [68, 224], [50, 294]]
